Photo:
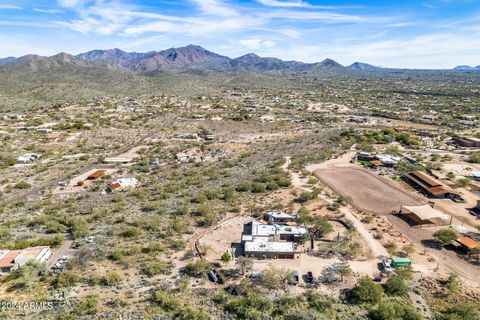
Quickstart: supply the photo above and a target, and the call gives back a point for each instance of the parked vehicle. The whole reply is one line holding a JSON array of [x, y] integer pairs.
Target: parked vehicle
[[310, 277], [212, 276], [295, 279], [386, 267]]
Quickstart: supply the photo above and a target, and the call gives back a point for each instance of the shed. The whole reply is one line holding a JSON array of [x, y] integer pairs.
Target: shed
[[97, 174], [401, 262], [423, 214], [468, 243]]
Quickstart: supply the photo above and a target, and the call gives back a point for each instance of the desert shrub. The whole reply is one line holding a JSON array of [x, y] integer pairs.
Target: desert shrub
[[152, 268], [67, 279], [367, 291], [197, 268]]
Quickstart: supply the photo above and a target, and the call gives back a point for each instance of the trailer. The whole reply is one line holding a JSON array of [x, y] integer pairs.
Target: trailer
[[401, 262]]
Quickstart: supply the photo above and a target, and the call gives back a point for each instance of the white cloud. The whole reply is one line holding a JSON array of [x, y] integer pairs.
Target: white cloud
[[275, 3], [257, 43], [71, 3], [49, 11], [298, 4], [215, 7], [430, 51], [9, 7], [317, 16]]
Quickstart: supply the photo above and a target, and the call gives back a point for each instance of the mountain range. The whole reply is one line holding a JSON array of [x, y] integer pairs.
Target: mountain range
[[467, 68], [186, 59], [177, 60]]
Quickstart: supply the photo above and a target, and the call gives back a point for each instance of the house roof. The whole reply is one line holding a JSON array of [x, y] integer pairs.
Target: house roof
[[8, 258], [441, 190], [425, 179], [97, 174], [272, 247], [430, 184], [468, 242], [114, 185], [376, 163], [424, 212], [278, 215]]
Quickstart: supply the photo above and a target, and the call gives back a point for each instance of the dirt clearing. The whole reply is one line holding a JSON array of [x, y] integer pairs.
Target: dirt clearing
[[368, 192]]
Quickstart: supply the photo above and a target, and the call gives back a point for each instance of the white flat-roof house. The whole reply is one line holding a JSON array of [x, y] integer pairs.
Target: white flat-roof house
[[28, 158], [278, 217], [272, 240], [121, 184]]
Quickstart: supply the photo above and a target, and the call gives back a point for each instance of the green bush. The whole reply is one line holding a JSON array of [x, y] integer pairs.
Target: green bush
[[22, 185], [67, 279], [152, 268], [197, 268], [367, 291]]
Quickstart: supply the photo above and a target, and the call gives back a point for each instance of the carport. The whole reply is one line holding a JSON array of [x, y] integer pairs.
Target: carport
[[423, 215]]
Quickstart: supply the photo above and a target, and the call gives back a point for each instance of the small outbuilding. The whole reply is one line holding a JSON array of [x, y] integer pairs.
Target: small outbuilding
[[424, 215], [97, 174], [468, 243], [398, 262]]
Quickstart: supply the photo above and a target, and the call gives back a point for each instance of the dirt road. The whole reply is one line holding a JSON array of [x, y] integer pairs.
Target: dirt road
[[446, 258], [64, 250], [377, 248]]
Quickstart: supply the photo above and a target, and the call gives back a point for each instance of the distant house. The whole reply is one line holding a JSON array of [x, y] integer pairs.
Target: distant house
[[121, 185], [193, 155], [468, 142], [278, 217], [97, 174], [476, 175], [14, 259], [209, 137], [28, 158], [187, 136], [388, 160], [365, 156], [44, 130], [272, 240], [117, 160]]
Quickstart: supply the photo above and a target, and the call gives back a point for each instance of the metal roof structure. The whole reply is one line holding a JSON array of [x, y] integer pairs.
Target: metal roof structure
[[468, 243], [425, 212]]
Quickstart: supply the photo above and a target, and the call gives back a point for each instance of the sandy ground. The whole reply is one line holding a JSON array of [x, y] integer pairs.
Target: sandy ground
[[376, 247], [305, 263], [459, 169], [368, 192], [221, 238], [449, 259], [132, 153]]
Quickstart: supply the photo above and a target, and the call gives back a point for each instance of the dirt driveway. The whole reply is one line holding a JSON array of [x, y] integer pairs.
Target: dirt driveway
[[369, 193], [447, 258]]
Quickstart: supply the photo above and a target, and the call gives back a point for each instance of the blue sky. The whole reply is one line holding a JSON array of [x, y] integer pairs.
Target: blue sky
[[412, 34]]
